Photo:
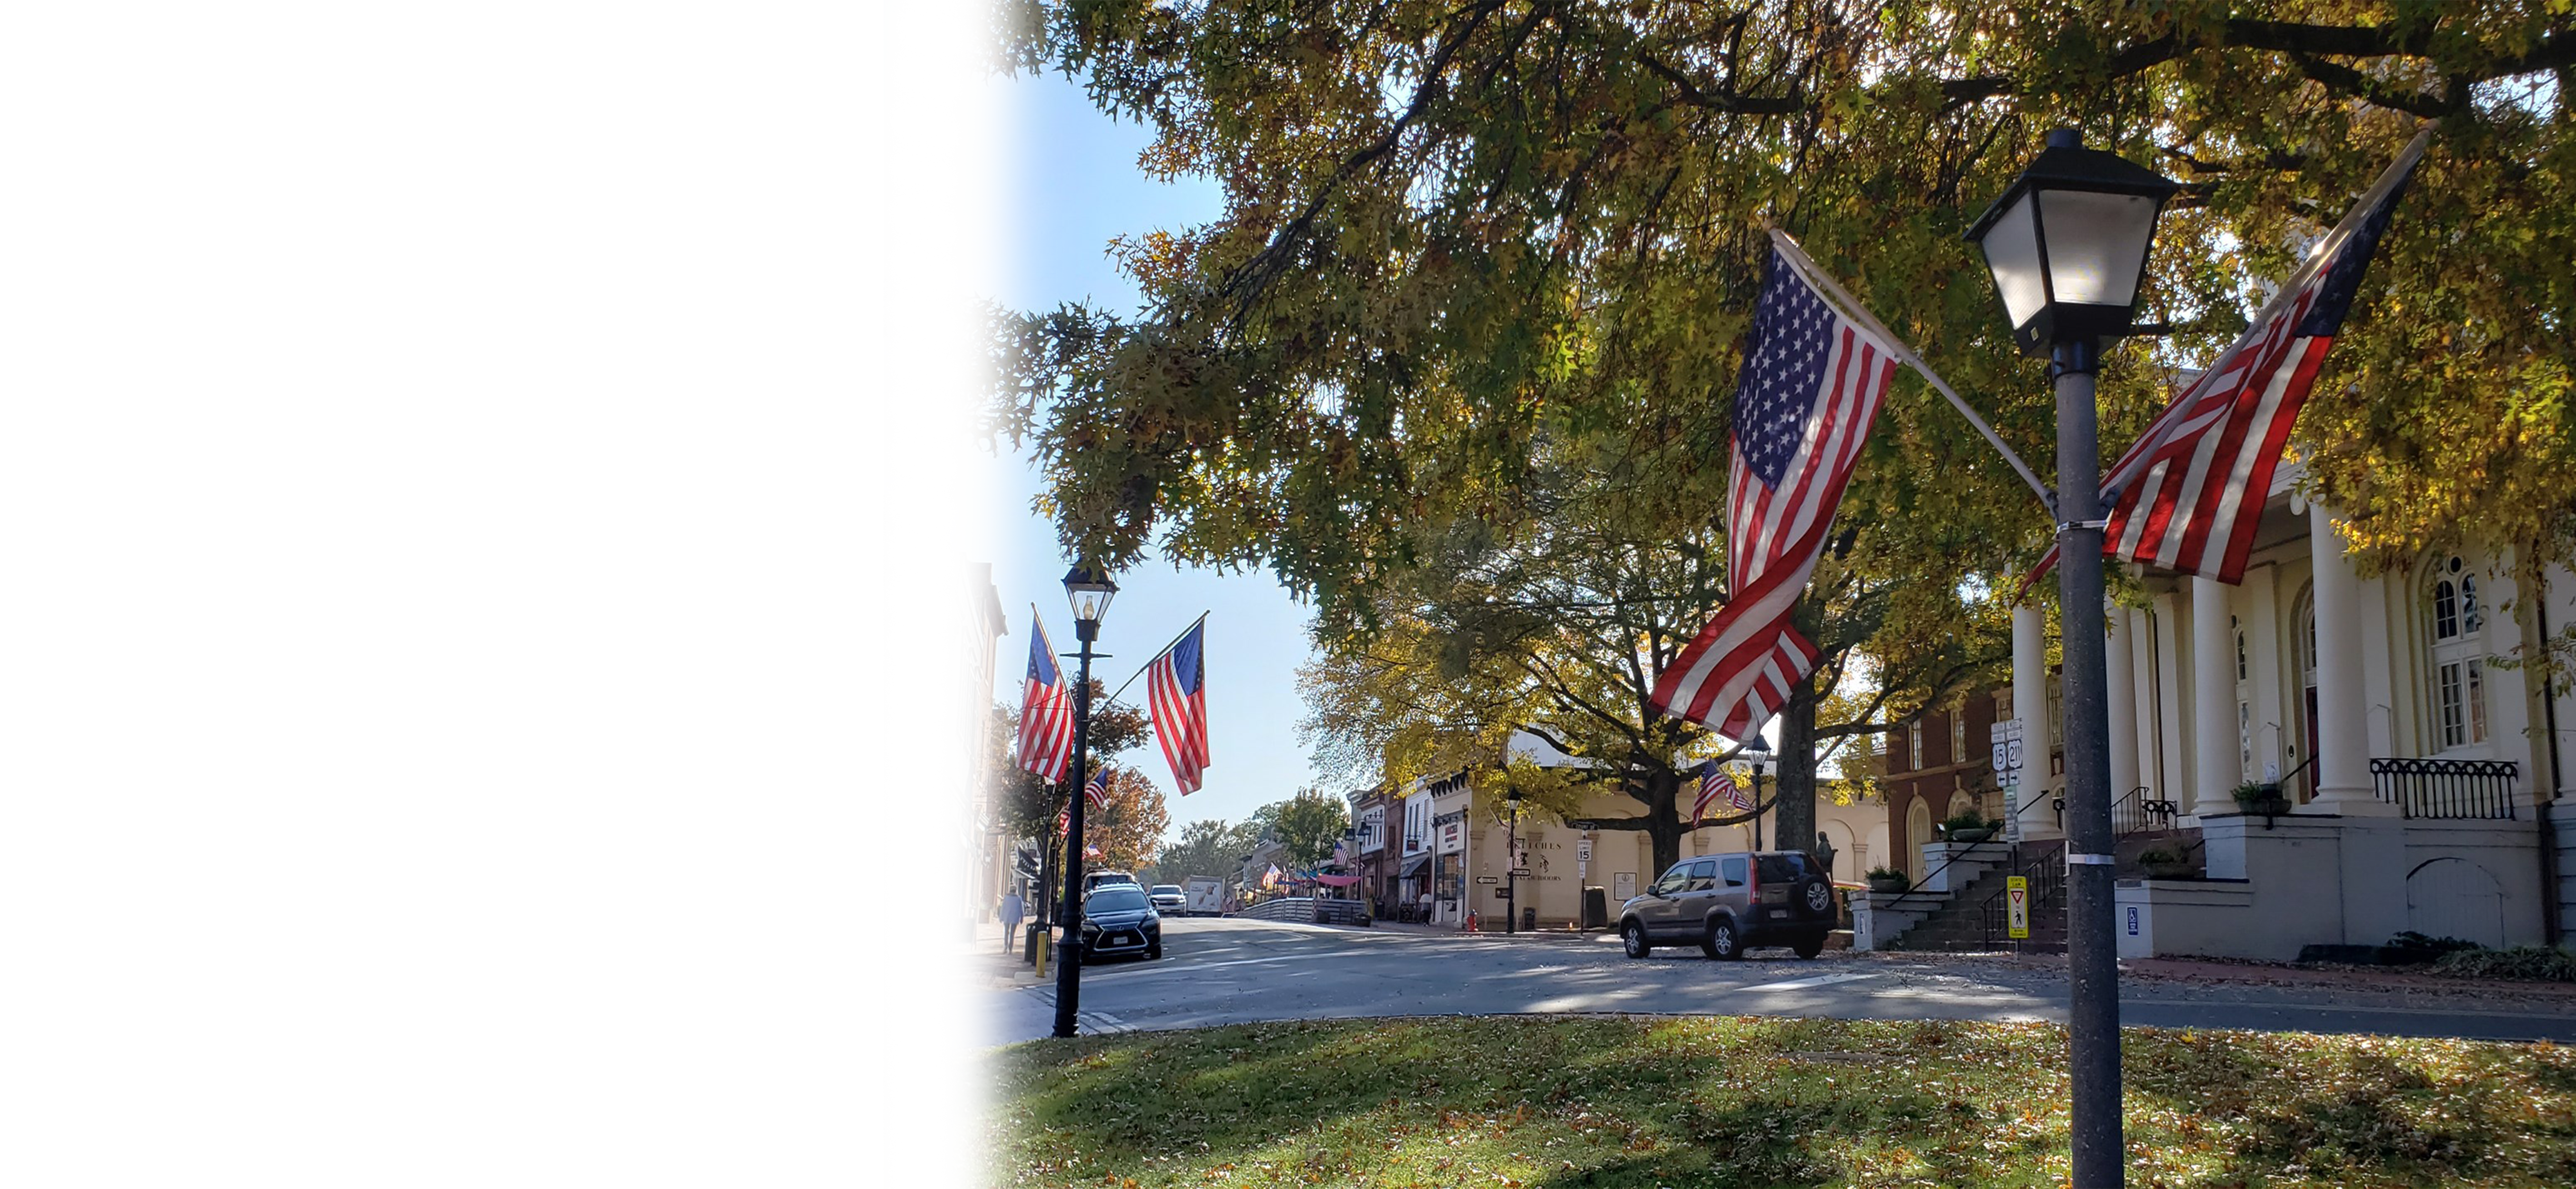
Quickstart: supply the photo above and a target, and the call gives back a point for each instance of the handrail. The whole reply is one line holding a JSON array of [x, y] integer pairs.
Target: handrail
[[2307, 768]]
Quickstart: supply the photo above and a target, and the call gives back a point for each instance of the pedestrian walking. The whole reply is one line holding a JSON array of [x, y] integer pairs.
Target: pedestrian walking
[[1012, 911]]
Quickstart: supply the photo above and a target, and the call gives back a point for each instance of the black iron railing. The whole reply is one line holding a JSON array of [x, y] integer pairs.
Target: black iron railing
[[2136, 812], [2043, 864], [2476, 789]]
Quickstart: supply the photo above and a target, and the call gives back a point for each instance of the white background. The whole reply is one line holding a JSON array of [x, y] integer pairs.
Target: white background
[[477, 498]]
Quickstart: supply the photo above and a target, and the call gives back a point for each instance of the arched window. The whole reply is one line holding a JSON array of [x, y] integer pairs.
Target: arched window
[[2457, 664]]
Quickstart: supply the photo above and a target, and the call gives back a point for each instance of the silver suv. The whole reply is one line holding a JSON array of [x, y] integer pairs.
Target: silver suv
[[1727, 902]]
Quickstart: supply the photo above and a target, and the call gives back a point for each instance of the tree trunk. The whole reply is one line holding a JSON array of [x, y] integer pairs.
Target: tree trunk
[[1664, 825], [1793, 816]]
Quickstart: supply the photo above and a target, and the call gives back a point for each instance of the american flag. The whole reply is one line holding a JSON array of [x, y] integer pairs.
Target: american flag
[[1046, 710], [1719, 783], [1811, 387], [1098, 788], [1175, 688], [1064, 821], [2191, 489]]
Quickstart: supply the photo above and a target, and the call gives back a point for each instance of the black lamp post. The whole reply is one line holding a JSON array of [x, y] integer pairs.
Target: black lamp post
[[1758, 754], [1512, 860], [2067, 244], [1090, 592]]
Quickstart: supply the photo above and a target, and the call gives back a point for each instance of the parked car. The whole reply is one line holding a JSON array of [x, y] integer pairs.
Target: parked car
[[1092, 880], [1166, 898], [1117, 919], [1727, 902]]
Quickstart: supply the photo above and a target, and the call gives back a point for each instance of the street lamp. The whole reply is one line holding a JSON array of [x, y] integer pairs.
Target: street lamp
[[1512, 860], [2067, 244], [1090, 592], [1758, 754]]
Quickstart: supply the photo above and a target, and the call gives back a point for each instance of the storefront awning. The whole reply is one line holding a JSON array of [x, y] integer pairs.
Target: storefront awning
[[1414, 865]]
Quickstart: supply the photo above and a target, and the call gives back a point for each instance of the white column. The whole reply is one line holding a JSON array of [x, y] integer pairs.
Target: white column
[[2173, 759], [2123, 679], [2030, 705], [2213, 701], [2343, 741], [2142, 699], [2263, 659]]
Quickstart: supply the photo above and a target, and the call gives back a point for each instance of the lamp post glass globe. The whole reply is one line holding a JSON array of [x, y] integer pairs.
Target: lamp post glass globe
[[2067, 242], [1090, 592]]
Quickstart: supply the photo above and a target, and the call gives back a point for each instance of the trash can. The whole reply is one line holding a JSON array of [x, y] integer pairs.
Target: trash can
[[1529, 920], [1030, 944], [1596, 908]]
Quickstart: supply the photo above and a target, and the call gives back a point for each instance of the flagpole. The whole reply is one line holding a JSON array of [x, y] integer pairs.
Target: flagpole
[[1149, 663], [2165, 423], [1789, 249]]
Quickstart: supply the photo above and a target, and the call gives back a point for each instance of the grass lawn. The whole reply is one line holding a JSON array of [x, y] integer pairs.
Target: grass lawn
[[1563, 1102]]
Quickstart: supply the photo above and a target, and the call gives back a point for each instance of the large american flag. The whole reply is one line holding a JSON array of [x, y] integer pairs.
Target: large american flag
[[1811, 387], [1046, 710], [1176, 693], [2191, 489]]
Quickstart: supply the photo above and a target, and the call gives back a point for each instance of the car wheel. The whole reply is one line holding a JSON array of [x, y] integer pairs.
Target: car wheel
[[1632, 937], [1722, 942], [1808, 946], [1155, 951]]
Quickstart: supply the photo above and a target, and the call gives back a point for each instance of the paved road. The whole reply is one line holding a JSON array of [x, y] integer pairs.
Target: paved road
[[1235, 971]]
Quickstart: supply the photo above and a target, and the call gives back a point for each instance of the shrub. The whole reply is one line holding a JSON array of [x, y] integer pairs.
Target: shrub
[[2535, 963], [1877, 874], [2412, 948], [1966, 819], [2158, 857]]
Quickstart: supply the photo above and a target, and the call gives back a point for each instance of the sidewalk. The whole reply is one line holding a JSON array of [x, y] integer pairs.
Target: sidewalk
[[986, 959], [1008, 1018]]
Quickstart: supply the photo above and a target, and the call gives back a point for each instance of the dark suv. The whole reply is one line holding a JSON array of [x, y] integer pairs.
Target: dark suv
[[1726, 902]]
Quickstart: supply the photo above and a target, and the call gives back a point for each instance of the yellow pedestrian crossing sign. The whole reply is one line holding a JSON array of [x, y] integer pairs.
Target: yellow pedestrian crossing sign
[[2017, 905]]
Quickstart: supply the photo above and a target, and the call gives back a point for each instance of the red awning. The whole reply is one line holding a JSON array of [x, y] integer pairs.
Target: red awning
[[1337, 881]]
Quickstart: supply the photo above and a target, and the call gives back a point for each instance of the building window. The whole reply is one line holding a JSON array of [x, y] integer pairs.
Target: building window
[[2457, 663], [1914, 745], [1959, 735]]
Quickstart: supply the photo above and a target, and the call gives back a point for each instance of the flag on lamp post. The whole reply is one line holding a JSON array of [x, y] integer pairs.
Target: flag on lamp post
[[1810, 389], [2187, 495], [1176, 693], [1098, 788], [1046, 710]]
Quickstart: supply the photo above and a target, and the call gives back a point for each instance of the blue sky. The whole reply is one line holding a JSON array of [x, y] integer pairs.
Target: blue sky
[[1073, 184]]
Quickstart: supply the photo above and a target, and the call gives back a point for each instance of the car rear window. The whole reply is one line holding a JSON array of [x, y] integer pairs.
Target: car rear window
[[1115, 899], [1780, 868]]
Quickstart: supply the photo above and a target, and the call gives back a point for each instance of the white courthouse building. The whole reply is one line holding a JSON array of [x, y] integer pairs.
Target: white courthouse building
[[2417, 776]]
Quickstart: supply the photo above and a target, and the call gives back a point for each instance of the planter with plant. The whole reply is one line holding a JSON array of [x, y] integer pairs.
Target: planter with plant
[[1967, 827], [2263, 797], [1889, 881], [2164, 864]]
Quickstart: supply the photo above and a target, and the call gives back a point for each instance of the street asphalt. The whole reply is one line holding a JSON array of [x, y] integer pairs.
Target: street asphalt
[[1225, 971]]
